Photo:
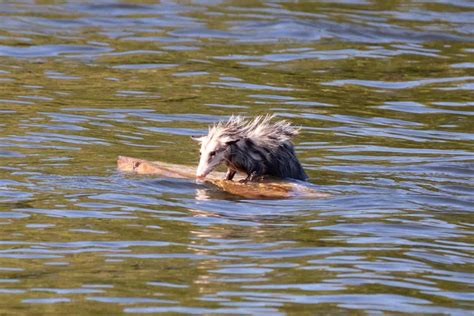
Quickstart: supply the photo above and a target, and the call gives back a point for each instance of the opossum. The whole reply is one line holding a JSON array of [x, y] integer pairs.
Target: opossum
[[257, 148]]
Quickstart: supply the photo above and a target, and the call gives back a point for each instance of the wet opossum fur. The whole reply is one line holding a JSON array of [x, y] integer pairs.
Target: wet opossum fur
[[257, 148]]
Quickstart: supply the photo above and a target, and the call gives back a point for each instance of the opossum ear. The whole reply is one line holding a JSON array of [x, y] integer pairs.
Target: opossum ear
[[230, 142], [198, 139]]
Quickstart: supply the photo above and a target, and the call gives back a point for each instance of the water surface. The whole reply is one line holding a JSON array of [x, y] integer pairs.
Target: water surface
[[381, 89]]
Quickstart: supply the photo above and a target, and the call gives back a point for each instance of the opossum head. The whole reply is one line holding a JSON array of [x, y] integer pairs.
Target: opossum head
[[214, 150], [215, 145]]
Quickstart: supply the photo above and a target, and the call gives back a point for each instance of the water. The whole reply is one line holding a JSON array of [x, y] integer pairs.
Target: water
[[382, 90]]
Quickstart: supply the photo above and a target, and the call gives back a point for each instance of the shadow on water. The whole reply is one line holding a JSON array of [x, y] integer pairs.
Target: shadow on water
[[381, 89]]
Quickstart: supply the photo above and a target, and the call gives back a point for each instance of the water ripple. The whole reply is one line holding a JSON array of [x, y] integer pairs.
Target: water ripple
[[49, 50], [381, 91]]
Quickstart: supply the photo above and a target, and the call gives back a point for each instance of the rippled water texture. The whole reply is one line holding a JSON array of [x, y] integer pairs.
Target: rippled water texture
[[383, 91]]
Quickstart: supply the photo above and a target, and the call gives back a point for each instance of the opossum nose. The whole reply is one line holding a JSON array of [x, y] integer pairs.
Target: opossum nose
[[200, 176]]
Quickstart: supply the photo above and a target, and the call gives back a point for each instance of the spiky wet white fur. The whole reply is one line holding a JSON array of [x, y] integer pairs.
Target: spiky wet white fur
[[261, 130]]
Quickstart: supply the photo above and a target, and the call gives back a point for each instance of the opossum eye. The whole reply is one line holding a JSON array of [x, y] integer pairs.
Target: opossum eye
[[212, 154]]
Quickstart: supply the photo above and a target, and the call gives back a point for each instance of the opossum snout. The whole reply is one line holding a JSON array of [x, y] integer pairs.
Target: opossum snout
[[203, 169], [200, 176]]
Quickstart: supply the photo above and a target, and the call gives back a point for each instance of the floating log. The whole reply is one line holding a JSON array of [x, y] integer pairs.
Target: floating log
[[276, 189]]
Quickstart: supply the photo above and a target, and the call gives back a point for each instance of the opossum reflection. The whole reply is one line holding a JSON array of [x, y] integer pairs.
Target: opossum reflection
[[257, 147]]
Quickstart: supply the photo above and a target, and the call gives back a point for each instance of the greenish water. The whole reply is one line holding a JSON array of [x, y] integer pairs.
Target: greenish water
[[383, 91]]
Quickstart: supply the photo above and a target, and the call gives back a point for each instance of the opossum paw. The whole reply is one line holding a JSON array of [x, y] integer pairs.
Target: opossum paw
[[253, 177]]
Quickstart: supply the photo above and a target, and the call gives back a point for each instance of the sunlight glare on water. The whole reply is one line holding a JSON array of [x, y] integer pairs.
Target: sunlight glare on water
[[383, 91]]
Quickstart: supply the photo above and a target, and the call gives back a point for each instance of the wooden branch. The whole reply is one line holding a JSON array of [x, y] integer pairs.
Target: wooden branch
[[266, 189]]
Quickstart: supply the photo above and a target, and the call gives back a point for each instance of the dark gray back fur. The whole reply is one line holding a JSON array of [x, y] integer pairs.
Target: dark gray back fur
[[245, 156]]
